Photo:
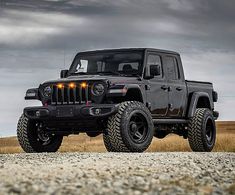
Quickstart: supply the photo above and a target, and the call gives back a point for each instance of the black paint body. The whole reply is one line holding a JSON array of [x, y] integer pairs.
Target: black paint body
[[172, 101]]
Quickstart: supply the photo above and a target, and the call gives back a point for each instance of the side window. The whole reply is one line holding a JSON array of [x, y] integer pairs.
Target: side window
[[172, 68], [82, 66], [154, 59]]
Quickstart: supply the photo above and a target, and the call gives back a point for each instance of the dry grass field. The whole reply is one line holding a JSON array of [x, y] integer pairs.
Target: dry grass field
[[81, 143]]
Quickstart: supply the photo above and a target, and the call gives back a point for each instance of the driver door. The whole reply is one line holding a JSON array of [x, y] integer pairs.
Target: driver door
[[156, 87]]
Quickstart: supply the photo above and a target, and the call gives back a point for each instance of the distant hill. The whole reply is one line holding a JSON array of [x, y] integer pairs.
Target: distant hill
[[225, 125]]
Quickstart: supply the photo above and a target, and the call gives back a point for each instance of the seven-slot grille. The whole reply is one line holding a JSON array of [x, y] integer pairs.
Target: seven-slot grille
[[80, 93]]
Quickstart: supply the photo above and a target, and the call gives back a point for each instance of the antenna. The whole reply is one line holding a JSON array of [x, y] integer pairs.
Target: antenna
[[64, 58]]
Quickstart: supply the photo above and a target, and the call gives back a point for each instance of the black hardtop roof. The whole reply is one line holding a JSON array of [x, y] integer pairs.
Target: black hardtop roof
[[130, 49]]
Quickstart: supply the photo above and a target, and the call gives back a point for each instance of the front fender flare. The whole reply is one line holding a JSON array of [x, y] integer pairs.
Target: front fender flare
[[122, 90]]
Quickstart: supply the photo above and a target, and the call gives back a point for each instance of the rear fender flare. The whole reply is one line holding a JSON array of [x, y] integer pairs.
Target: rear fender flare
[[193, 102]]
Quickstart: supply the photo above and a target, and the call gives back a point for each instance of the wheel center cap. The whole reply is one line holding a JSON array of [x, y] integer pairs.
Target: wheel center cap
[[133, 127]]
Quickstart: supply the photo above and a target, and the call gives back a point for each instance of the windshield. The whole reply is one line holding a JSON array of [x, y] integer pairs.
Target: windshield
[[113, 63]]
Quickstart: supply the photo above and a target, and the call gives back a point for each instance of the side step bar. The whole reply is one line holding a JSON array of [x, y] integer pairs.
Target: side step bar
[[169, 121]]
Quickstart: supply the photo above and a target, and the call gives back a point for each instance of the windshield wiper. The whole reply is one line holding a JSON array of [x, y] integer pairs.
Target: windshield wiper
[[79, 73], [135, 75]]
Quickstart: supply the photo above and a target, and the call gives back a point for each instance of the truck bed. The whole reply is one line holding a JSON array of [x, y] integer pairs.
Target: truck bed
[[200, 86]]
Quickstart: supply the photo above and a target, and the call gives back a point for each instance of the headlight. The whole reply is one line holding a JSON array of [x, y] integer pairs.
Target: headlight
[[47, 91], [97, 89]]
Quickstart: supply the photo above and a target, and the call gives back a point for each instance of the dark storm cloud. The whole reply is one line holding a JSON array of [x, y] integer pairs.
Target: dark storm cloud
[[38, 38], [72, 24]]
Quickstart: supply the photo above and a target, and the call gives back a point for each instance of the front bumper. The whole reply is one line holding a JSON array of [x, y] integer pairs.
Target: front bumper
[[70, 111]]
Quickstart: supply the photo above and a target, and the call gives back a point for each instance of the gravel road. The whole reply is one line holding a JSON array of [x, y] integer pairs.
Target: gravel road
[[112, 173]]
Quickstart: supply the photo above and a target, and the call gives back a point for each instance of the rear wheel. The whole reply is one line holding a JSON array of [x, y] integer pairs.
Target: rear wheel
[[202, 131], [130, 130], [32, 137]]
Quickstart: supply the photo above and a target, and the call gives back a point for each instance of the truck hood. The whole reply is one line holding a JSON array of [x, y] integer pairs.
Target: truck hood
[[112, 79]]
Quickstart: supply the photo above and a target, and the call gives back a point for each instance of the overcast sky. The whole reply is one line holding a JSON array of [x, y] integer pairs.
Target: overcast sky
[[38, 38]]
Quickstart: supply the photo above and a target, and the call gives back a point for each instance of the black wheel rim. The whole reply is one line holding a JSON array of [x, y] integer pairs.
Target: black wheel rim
[[138, 128], [42, 136], [209, 131]]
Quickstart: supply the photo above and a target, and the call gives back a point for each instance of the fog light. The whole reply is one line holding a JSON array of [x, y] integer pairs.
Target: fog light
[[97, 111], [37, 113]]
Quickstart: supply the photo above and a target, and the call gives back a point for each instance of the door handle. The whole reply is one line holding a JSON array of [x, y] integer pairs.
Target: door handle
[[147, 87], [164, 87], [179, 88]]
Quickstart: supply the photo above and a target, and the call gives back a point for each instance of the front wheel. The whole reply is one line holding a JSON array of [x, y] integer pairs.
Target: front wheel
[[32, 138], [130, 129], [202, 131]]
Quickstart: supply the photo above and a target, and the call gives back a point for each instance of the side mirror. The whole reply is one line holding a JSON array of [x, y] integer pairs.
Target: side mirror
[[155, 70], [63, 74]]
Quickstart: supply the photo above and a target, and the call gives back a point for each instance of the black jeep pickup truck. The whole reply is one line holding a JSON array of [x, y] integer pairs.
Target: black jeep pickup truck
[[128, 95]]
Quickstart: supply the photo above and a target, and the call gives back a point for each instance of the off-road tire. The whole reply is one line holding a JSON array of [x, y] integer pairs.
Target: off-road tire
[[27, 137], [107, 143], [198, 128], [117, 137]]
